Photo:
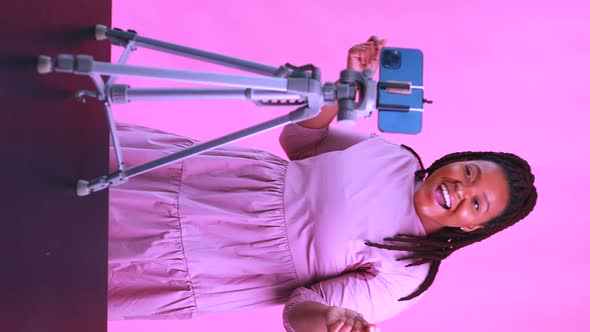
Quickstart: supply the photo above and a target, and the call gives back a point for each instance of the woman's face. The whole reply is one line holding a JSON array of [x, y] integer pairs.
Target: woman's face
[[463, 194]]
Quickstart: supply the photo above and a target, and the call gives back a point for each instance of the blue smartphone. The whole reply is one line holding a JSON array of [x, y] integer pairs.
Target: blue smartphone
[[400, 95]]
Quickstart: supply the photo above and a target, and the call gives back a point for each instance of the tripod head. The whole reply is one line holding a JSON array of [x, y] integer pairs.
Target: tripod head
[[355, 92], [398, 96], [345, 92]]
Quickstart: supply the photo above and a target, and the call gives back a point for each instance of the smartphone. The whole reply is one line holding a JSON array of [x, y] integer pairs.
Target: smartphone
[[400, 95]]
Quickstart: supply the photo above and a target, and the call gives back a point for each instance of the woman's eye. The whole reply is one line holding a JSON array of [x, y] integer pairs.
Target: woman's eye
[[468, 172], [476, 204]]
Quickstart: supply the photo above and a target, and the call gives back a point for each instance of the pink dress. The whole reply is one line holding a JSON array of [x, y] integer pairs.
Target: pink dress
[[237, 228]]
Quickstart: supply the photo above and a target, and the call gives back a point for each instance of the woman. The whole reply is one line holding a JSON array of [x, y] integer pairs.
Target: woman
[[351, 230]]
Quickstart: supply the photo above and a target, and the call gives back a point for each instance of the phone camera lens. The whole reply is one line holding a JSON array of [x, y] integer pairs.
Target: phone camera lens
[[387, 58], [391, 59]]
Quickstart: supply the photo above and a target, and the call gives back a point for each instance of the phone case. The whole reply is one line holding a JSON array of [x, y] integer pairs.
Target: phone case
[[400, 111]]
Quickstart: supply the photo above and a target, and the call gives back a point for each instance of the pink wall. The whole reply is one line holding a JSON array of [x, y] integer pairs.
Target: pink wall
[[504, 75]]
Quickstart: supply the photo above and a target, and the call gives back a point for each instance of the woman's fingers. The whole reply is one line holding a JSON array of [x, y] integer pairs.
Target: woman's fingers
[[348, 325], [359, 324], [364, 54], [374, 42], [372, 328], [342, 325], [367, 47], [337, 326], [368, 51], [346, 320]]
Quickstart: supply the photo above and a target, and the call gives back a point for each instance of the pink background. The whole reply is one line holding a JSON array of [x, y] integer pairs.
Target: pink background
[[504, 75]]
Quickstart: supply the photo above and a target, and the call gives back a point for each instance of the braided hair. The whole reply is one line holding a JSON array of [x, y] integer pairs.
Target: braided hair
[[435, 247]]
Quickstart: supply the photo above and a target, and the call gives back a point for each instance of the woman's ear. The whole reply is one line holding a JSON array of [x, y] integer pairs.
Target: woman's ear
[[471, 228], [422, 174]]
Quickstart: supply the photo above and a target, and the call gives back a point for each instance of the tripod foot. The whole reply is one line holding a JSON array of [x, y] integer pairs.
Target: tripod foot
[[100, 32], [82, 188], [44, 64]]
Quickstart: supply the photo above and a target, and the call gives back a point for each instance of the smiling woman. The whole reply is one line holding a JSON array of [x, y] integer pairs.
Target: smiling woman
[[465, 198], [237, 228], [462, 194]]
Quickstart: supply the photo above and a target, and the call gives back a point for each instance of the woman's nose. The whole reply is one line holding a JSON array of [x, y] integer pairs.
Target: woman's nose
[[463, 192]]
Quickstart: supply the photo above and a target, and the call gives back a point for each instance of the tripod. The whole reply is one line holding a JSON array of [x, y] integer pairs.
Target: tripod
[[286, 85]]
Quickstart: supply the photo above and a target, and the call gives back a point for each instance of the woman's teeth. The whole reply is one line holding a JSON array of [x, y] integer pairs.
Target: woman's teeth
[[446, 195]]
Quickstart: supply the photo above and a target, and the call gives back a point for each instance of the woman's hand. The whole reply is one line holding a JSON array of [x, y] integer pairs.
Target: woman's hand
[[366, 55], [340, 319], [360, 57]]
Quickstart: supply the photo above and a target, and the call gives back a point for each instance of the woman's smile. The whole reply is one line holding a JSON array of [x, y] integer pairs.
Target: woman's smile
[[442, 196]]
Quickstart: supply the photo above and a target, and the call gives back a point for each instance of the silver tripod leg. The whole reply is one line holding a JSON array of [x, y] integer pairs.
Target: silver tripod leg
[[113, 179], [296, 89], [122, 94], [299, 88], [119, 37]]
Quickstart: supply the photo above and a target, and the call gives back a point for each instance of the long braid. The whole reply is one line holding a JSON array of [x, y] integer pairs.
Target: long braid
[[435, 247]]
